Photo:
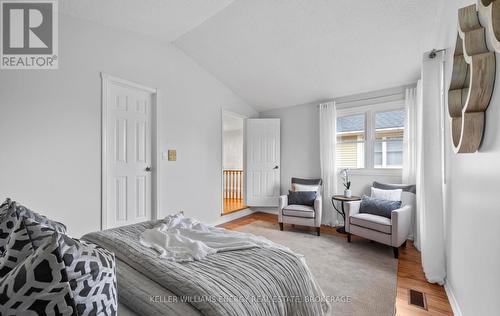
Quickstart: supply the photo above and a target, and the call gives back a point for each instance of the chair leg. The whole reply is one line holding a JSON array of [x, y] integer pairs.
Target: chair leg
[[348, 237], [404, 244], [317, 230], [281, 226], [396, 252]]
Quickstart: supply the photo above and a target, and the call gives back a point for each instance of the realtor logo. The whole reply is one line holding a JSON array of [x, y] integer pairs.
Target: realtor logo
[[29, 35]]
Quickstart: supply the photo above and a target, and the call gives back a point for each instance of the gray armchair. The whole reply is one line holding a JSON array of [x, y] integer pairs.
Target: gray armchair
[[301, 214], [389, 231]]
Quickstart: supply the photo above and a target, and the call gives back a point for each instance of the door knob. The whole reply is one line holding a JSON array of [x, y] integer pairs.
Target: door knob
[[148, 169], [276, 167]]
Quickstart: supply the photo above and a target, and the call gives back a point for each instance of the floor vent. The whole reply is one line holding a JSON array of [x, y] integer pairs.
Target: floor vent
[[417, 298]]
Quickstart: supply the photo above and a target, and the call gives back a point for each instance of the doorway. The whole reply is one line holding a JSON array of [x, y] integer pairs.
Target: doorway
[[129, 148], [233, 153]]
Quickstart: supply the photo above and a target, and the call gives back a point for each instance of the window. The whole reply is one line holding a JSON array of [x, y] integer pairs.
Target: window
[[370, 137], [389, 130], [351, 141]]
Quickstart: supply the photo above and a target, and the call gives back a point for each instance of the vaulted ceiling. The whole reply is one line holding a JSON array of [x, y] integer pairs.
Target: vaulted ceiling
[[161, 19], [283, 53], [276, 53]]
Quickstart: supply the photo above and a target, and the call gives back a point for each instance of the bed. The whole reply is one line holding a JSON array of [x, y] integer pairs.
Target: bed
[[254, 281], [135, 287]]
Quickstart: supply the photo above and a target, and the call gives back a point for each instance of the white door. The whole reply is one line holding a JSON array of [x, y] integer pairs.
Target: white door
[[128, 197], [263, 162]]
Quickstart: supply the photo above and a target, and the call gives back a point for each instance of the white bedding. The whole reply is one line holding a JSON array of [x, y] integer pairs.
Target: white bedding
[[184, 239]]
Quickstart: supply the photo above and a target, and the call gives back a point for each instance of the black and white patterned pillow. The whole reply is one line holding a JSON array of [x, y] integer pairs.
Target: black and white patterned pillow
[[4, 230], [25, 237], [89, 269], [92, 276], [17, 249], [12, 212], [5, 206], [39, 285], [24, 212]]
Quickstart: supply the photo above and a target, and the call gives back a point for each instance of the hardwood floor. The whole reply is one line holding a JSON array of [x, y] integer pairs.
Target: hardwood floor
[[410, 274], [233, 205]]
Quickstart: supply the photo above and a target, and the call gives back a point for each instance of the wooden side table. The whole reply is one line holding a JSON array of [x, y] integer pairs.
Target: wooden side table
[[342, 199]]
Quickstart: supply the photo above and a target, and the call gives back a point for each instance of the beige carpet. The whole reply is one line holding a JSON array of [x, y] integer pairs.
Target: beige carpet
[[363, 273]]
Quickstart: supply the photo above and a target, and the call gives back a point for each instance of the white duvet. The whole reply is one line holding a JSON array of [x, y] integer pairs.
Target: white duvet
[[185, 239]]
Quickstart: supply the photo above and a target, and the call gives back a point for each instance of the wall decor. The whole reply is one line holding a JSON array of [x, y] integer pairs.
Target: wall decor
[[472, 81], [491, 10]]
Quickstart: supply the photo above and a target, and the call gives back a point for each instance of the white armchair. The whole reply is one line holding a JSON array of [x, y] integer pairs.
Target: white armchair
[[389, 231], [302, 214]]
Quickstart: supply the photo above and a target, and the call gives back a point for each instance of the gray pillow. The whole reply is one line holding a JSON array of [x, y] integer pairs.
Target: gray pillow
[[412, 188], [378, 206], [301, 198]]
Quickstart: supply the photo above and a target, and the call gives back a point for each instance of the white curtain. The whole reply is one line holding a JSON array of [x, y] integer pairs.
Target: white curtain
[[409, 138], [327, 144], [412, 101], [430, 201]]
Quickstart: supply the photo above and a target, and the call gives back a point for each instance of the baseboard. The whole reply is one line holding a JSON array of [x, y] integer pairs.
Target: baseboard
[[268, 210], [232, 216], [452, 299]]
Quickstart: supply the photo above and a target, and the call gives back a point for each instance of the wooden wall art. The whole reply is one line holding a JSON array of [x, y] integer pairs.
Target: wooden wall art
[[471, 83], [491, 10]]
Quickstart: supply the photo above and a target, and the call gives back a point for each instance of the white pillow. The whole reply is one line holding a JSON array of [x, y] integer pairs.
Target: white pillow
[[391, 195], [408, 198], [305, 187]]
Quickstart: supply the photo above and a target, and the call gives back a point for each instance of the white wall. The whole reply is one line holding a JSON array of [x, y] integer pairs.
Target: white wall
[[232, 153], [300, 149], [50, 125], [299, 142], [473, 211]]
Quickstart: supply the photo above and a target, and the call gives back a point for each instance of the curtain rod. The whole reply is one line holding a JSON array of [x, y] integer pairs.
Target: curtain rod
[[434, 52], [370, 98]]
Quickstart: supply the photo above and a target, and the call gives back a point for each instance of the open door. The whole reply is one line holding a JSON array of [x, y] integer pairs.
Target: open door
[[263, 162]]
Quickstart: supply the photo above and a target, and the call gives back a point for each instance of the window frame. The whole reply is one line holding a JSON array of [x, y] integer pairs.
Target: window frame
[[369, 111]]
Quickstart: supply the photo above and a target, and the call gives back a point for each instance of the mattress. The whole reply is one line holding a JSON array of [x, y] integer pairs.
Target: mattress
[[138, 295]]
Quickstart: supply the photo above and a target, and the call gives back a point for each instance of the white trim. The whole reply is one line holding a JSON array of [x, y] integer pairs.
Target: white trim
[[369, 111], [234, 114], [232, 216], [244, 118], [394, 172], [453, 300], [373, 97], [155, 141], [155, 157], [127, 83], [378, 107], [268, 210]]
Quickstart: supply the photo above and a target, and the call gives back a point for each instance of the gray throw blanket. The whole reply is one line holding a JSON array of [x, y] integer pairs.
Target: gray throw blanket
[[256, 281]]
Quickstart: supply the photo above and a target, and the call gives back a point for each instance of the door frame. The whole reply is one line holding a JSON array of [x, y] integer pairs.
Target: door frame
[[244, 118], [106, 79]]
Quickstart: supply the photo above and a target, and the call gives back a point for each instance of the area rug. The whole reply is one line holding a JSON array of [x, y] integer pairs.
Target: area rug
[[359, 278]]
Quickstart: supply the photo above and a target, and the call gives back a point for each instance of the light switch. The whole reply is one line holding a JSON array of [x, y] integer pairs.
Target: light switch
[[164, 155], [172, 155]]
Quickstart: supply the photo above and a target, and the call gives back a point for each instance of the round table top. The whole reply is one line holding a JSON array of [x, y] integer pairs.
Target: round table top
[[345, 198]]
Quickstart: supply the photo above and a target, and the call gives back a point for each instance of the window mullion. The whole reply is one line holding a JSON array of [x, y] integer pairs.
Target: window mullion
[[384, 153], [370, 136]]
